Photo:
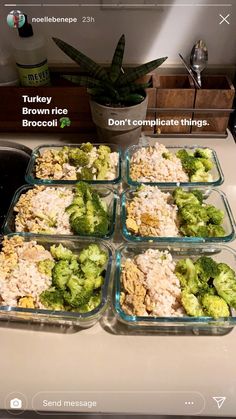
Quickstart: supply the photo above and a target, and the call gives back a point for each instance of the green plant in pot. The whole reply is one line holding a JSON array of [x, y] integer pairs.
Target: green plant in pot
[[115, 94]]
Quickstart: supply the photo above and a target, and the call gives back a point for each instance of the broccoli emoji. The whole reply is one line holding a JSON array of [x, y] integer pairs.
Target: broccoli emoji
[[65, 122]]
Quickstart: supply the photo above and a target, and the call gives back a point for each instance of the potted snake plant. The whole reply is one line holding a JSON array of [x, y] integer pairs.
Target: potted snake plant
[[115, 94]]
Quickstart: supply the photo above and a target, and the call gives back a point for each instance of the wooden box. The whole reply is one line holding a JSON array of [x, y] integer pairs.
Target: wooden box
[[217, 92], [151, 92], [174, 91]]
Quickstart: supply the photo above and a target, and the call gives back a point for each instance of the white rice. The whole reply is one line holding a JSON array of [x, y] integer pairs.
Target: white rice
[[152, 201], [148, 165], [45, 212], [24, 279], [162, 284], [151, 287], [113, 164]]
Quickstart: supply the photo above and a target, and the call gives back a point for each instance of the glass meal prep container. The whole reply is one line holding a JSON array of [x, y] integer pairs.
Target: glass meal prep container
[[63, 318], [106, 193], [208, 325], [212, 196], [31, 178], [216, 171]]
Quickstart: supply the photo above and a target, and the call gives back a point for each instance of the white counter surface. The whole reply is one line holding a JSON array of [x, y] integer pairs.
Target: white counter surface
[[149, 374]]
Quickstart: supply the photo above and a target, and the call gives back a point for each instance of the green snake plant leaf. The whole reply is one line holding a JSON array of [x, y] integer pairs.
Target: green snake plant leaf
[[117, 59], [132, 99], [96, 91], [85, 62], [137, 72], [123, 91], [85, 81], [113, 94], [90, 82]]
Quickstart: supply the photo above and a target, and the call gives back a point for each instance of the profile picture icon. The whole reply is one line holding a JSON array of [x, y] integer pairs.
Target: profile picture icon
[[15, 19]]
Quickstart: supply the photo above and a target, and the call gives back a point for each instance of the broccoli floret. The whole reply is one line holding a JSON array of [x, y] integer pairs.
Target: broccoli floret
[[73, 208], [167, 155], [81, 225], [78, 291], [198, 194], [98, 282], [198, 165], [182, 154], [101, 166], [89, 207], [215, 230], [104, 151], [194, 230], [92, 272], [78, 157], [101, 225], [208, 165], [225, 284], [82, 190], [102, 172], [85, 174], [90, 224], [74, 266], [215, 215], [60, 252], [201, 176], [186, 273], [94, 302], [61, 273], [194, 165], [90, 269], [224, 268], [181, 197], [205, 288], [86, 147], [46, 266], [78, 200], [94, 253], [63, 154], [91, 215], [215, 306], [102, 162], [204, 153], [52, 299], [206, 268], [98, 164], [191, 164], [99, 204], [193, 214], [191, 304], [89, 282], [181, 272]]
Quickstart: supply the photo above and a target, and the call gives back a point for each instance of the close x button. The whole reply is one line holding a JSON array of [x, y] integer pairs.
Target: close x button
[[224, 19]]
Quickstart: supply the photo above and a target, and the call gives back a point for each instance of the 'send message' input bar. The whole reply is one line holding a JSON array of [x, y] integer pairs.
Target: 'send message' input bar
[[139, 402]]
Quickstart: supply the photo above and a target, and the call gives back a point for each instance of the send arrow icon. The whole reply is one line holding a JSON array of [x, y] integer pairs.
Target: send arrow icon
[[219, 400]]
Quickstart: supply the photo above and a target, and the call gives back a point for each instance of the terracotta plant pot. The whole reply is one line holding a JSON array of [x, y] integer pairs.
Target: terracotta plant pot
[[127, 132]]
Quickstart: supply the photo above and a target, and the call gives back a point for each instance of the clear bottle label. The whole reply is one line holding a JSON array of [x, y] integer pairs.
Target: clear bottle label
[[35, 75]]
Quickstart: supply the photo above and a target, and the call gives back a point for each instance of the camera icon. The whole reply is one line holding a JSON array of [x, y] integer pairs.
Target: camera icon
[[15, 403]]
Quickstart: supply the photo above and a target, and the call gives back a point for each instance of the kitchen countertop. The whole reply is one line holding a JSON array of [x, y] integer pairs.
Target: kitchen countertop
[[130, 373]]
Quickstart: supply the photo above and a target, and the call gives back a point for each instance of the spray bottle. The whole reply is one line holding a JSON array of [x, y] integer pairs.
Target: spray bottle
[[30, 56]]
